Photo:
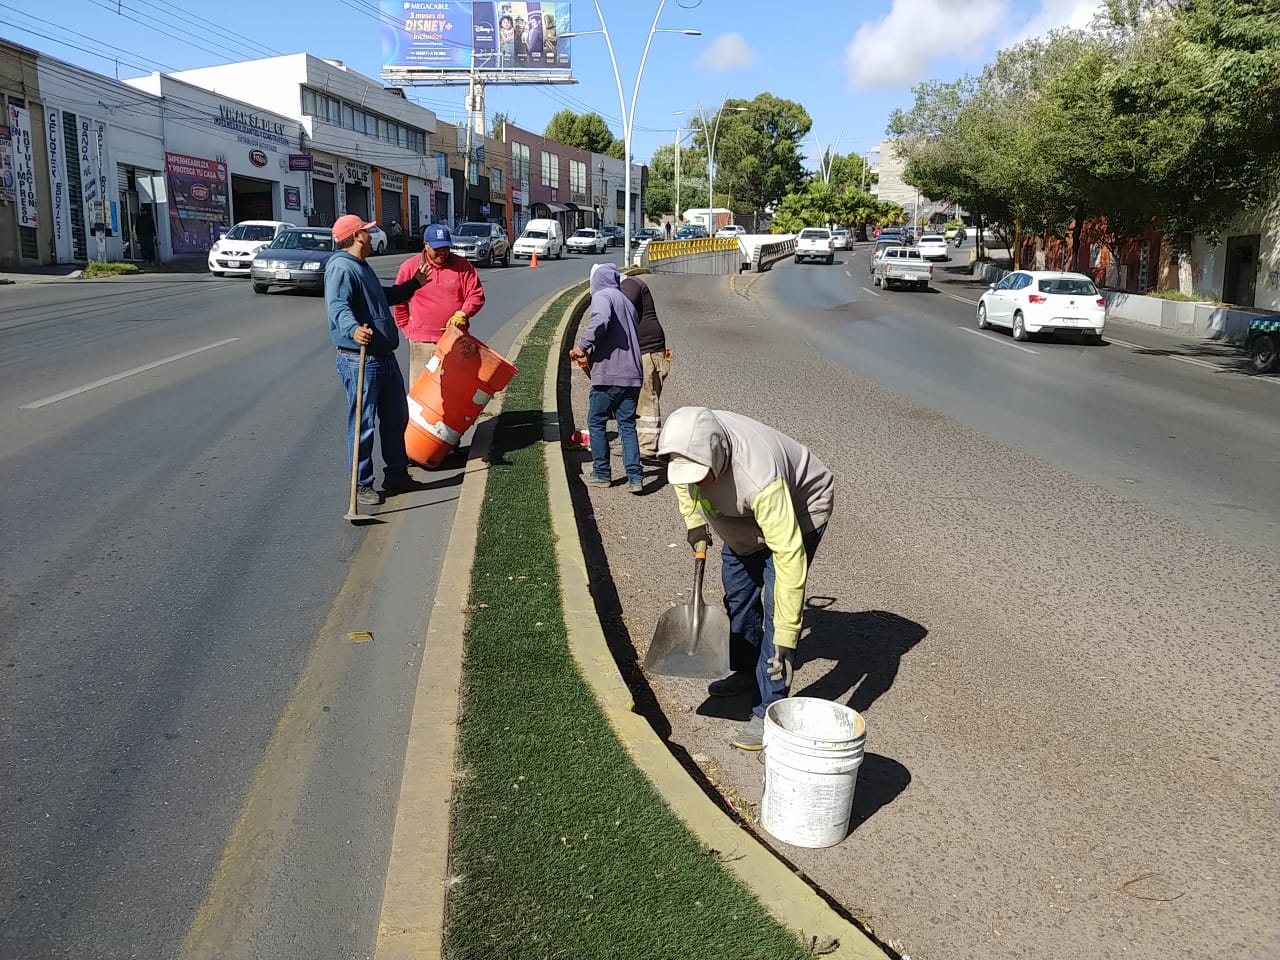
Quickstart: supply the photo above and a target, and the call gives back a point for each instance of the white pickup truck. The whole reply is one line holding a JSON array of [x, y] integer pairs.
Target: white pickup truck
[[902, 265], [815, 243]]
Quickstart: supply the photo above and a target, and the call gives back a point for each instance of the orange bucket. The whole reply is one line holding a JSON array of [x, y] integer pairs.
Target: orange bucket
[[449, 395]]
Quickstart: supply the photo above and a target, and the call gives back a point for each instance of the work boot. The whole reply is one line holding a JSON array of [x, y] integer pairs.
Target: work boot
[[636, 488], [399, 483], [593, 481], [737, 683], [750, 735], [366, 496]]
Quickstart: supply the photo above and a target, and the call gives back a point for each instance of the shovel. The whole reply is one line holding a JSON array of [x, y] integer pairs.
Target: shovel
[[691, 640]]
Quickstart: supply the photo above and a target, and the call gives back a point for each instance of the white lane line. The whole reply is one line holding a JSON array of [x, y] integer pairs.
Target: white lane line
[[1122, 343], [962, 299], [1003, 343], [848, 273], [1272, 380], [870, 291], [76, 391], [1198, 363]]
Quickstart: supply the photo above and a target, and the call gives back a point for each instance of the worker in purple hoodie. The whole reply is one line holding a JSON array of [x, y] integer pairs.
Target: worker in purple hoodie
[[611, 348]]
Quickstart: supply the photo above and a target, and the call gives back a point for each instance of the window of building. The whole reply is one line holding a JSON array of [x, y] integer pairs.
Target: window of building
[[495, 180], [577, 176], [519, 162], [348, 117], [550, 169], [622, 200], [333, 110], [474, 173]]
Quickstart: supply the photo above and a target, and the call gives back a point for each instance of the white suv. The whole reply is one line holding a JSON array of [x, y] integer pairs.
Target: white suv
[[233, 254]]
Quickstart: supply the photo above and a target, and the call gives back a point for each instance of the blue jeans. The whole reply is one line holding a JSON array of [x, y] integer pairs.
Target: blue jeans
[[618, 403], [748, 599], [384, 395]]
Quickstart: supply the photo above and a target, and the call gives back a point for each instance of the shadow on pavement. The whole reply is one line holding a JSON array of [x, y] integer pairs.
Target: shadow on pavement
[[867, 648], [881, 780]]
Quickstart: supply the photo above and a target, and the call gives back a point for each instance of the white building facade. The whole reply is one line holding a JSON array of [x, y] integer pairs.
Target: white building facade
[[367, 149]]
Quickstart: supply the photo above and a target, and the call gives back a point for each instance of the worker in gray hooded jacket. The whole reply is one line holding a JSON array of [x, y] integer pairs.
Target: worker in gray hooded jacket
[[769, 498]]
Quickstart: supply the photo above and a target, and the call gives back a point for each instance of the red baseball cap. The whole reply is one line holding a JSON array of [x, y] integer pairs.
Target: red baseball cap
[[348, 226]]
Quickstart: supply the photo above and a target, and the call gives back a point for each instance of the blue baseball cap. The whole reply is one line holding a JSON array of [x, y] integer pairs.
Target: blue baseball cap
[[436, 236]]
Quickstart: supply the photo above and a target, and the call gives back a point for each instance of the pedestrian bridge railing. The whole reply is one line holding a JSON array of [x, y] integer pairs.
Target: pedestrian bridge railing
[[704, 255]]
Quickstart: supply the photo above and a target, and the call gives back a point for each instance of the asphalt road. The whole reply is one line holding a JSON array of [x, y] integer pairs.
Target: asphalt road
[[1196, 441], [196, 759]]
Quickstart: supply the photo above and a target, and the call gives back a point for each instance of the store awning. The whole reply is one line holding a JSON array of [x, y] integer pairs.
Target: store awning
[[553, 207]]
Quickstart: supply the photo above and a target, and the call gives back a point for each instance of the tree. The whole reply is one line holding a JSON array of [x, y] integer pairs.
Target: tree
[[586, 131], [617, 149], [499, 122], [848, 172], [693, 179], [758, 156]]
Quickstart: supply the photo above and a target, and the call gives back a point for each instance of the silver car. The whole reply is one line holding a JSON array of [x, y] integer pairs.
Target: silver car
[[482, 243], [296, 258]]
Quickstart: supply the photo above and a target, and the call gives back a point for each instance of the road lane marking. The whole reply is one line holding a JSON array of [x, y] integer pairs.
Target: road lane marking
[[1198, 363], [1122, 343], [1003, 343], [870, 291], [848, 273], [76, 391], [962, 299]]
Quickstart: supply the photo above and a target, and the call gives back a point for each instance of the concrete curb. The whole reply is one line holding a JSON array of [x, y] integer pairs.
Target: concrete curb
[[787, 898], [411, 923]]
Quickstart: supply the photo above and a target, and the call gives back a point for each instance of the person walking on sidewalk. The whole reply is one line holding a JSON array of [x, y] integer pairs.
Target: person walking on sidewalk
[[450, 294], [610, 346], [360, 315], [769, 498], [655, 362]]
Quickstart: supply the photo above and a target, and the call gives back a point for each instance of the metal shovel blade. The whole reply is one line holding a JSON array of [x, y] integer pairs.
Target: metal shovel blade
[[682, 647], [691, 640]]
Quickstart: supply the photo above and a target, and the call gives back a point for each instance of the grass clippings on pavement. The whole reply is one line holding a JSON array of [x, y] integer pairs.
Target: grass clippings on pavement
[[561, 847]]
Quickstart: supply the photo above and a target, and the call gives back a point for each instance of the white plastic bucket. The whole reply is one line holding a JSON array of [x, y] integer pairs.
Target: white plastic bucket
[[812, 751]]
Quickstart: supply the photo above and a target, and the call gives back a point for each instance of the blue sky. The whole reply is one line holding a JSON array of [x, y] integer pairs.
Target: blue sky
[[849, 62]]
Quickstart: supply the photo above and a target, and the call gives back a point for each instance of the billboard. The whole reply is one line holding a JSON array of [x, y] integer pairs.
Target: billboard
[[198, 207], [495, 34]]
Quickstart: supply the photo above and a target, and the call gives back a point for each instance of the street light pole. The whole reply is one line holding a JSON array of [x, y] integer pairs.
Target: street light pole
[[711, 158], [628, 117]]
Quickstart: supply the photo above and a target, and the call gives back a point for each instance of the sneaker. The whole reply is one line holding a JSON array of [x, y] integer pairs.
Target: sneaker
[[399, 483], [595, 481], [636, 488], [737, 683], [750, 735], [366, 496]]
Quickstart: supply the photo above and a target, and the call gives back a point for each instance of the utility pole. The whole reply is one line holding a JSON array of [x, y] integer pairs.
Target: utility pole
[[677, 210], [475, 94]]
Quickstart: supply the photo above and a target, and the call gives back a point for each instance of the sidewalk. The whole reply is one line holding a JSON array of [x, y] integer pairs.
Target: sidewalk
[[1024, 791]]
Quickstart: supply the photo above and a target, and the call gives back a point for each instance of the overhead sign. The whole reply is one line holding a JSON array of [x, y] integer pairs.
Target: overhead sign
[[503, 35], [299, 161]]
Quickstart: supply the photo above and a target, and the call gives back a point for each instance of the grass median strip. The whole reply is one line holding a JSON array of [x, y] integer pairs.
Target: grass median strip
[[561, 847]]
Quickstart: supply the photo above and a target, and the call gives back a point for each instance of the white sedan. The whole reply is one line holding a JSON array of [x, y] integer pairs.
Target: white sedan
[[378, 237], [933, 246], [731, 230], [1038, 301], [587, 240], [233, 254]]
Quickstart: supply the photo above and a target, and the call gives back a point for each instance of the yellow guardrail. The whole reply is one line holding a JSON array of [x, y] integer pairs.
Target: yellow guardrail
[[663, 249]]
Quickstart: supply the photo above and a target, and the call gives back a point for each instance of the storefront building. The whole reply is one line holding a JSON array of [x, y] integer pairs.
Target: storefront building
[[225, 161], [369, 150]]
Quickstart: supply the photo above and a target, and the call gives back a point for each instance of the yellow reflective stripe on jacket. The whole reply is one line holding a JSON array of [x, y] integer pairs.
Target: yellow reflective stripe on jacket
[[775, 514], [688, 506]]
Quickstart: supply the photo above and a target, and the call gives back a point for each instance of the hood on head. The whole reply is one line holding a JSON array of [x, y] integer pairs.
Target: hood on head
[[695, 434], [604, 276]]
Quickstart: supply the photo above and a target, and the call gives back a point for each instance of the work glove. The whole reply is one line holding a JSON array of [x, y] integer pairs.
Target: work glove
[[460, 321], [782, 664], [699, 534]]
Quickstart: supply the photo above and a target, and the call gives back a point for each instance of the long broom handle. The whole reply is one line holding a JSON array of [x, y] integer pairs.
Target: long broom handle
[[355, 434]]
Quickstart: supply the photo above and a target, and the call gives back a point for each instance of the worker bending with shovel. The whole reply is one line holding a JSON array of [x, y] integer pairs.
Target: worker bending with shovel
[[769, 499]]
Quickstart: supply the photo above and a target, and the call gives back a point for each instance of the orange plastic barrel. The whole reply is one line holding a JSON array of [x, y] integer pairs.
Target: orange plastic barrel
[[445, 400]]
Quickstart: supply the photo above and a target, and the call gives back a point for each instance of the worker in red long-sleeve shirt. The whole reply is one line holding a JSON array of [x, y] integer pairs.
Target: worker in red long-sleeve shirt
[[452, 295]]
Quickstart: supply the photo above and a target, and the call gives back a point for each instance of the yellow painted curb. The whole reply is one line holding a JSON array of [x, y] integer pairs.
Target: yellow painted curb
[[414, 898], [787, 898]]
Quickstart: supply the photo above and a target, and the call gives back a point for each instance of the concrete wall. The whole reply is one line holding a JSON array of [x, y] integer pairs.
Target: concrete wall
[[1209, 261]]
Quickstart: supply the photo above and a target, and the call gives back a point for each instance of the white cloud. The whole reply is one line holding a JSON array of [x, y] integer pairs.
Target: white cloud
[[727, 52], [1053, 15], [898, 49]]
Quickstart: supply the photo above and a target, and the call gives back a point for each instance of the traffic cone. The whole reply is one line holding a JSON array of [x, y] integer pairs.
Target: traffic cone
[[533, 261]]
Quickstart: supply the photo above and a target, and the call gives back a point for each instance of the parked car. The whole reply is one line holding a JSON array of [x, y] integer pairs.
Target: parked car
[[587, 240], [482, 242], [613, 234], [732, 230], [378, 237], [646, 234], [933, 246], [1038, 301], [815, 243], [295, 258], [543, 237], [842, 239], [902, 266], [1263, 344], [883, 243], [234, 252], [691, 231]]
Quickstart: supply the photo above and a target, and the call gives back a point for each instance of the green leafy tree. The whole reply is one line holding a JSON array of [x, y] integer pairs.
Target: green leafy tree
[[617, 149], [498, 124], [586, 131]]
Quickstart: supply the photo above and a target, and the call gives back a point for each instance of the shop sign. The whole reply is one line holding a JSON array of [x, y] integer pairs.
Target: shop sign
[[356, 173], [61, 200], [250, 123], [324, 170], [579, 198], [300, 161], [292, 198], [258, 158], [199, 207], [6, 165], [517, 196], [23, 168], [392, 181]]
